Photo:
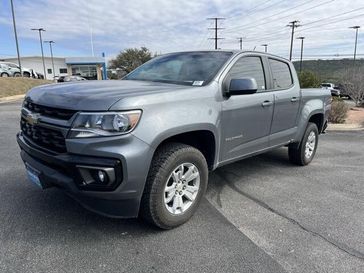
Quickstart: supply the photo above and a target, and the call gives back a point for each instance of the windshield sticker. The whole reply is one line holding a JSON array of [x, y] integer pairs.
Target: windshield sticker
[[197, 83]]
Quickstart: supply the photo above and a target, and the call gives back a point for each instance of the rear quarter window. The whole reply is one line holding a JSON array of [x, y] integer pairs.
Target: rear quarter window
[[282, 77]]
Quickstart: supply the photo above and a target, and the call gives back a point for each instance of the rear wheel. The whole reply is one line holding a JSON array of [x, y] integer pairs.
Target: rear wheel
[[175, 185], [305, 152], [26, 75], [4, 75], [17, 74]]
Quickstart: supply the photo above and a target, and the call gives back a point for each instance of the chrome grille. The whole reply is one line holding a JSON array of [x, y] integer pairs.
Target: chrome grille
[[44, 137]]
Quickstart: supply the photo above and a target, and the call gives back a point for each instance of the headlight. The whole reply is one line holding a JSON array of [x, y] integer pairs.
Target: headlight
[[104, 124]]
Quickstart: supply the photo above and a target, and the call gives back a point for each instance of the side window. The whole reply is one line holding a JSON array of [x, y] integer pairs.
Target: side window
[[249, 67], [63, 70], [282, 77]]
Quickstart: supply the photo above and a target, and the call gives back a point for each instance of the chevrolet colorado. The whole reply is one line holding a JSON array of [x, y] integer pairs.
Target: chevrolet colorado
[[143, 145]]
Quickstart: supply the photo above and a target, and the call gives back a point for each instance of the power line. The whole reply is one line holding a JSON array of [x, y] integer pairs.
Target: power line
[[337, 21], [216, 28], [250, 10], [334, 16], [204, 38], [277, 35], [274, 34], [279, 18]]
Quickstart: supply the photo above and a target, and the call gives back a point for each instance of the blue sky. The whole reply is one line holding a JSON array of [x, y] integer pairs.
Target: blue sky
[[172, 25]]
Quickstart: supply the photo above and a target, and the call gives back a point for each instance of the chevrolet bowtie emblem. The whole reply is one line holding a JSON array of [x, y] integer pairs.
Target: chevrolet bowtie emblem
[[32, 119]]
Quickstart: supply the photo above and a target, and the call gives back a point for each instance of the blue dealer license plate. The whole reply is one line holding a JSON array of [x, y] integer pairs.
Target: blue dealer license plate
[[33, 176]]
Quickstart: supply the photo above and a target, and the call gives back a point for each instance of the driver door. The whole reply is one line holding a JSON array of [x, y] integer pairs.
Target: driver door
[[246, 119]]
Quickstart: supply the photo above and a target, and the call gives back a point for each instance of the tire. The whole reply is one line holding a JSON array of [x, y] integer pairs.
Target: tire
[[4, 75], [305, 152], [167, 161], [17, 75], [26, 75]]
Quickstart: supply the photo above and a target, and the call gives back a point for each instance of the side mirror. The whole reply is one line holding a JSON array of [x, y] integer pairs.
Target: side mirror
[[242, 87]]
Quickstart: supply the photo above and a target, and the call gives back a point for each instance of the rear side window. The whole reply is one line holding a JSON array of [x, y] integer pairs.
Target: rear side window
[[249, 67], [281, 73]]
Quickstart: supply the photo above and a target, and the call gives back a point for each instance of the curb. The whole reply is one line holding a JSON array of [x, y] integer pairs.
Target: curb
[[11, 98], [344, 127]]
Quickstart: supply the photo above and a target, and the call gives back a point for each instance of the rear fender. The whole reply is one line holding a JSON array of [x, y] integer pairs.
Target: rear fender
[[310, 108]]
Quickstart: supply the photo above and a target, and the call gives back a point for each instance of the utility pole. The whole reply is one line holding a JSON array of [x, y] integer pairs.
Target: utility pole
[[216, 19], [265, 47], [293, 25], [240, 42], [50, 47], [356, 41], [41, 48], [16, 36], [301, 38]]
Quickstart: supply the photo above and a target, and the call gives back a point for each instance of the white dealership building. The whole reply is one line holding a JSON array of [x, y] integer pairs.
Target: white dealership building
[[87, 67]]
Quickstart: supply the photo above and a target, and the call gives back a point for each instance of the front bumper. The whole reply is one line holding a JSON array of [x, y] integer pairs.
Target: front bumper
[[131, 163]]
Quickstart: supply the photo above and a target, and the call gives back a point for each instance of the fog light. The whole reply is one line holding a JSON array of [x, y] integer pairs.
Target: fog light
[[97, 178], [102, 176]]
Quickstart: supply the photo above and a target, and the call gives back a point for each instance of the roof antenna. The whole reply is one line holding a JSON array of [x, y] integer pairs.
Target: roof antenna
[[254, 48]]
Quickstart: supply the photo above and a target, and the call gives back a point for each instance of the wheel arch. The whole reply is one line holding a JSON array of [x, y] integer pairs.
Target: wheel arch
[[202, 139], [318, 119]]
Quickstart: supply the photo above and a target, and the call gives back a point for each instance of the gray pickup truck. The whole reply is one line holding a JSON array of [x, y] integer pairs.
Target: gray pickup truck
[[143, 146]]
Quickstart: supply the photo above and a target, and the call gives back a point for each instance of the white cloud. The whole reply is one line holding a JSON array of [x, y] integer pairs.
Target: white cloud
[[169, 25]]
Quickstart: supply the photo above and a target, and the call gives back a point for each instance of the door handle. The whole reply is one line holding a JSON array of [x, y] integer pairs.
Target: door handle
[[267, 103], [294, 99]]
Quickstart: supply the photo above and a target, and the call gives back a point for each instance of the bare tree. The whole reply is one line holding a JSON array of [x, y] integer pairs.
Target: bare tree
[[353, 84]]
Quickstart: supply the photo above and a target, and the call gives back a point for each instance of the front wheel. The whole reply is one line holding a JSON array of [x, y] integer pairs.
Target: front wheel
[[4, 75], [175, 185], [305, 152]]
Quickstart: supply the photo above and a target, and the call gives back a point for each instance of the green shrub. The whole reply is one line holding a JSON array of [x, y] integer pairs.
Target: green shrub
[[339, 111], [308, 79]]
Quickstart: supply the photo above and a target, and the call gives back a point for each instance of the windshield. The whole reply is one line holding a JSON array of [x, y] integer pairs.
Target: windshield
[[186, 68], [326, 85]]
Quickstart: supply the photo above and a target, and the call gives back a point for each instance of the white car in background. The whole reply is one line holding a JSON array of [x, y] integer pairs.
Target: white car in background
[[13, 70], [332, 87]]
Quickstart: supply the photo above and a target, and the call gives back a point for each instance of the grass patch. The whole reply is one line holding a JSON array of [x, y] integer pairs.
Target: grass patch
[[18, 86]]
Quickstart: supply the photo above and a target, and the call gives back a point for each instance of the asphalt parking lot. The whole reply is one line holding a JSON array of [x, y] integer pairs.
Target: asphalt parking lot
[[260, 215]]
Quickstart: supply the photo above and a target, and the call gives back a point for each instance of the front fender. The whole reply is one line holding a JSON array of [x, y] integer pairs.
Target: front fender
[[164, 120]]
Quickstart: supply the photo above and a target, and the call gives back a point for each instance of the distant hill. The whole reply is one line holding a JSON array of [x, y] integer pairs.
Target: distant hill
[[328, 70]]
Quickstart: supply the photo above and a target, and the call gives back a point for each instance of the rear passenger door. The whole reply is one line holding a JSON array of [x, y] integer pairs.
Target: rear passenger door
[[286, 102], [246, 119]]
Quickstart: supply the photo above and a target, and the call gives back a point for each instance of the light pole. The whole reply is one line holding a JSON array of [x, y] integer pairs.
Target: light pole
[[240, 43], [16, 36], [265, 47], [356, 41], [41, 48], [301, 38], [50, 47]]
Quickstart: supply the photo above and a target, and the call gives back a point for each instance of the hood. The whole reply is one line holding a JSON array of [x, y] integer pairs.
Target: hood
[[94, 95]]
